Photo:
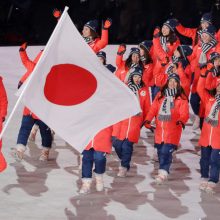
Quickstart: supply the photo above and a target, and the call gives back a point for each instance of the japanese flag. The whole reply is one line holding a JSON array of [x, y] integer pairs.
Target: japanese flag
[[72, 92]]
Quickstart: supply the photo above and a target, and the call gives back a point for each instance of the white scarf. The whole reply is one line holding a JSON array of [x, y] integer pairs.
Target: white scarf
[[163, 41], [167, 105], [205, 48], [212, 118]]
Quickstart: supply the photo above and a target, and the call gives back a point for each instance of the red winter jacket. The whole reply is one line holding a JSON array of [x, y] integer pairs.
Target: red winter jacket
[[191, 33], [197, 50], [168, 132], [29, 64], [159, 53], [98, 43], [130, 128], [161, 79], [122, 70], [3, 105], [210, 136], [102, 141], [148, 75], [188, 32]]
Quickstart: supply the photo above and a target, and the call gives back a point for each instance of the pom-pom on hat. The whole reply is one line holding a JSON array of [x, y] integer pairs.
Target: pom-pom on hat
[[93, 25], [207, 17], [134, 50], [170, 23], [146, 44]]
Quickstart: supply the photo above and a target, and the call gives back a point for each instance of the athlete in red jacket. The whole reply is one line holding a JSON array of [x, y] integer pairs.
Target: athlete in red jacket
[[90, 35], [3, 113], [127, 132], [165, 42], [95, 153], [29, 118], [171, 110], [123, 66], [210, 135]]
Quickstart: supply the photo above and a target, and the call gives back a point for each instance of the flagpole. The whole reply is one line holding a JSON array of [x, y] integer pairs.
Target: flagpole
[[26, 85]]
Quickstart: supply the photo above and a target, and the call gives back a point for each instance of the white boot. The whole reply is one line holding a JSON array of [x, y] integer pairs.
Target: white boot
[[44, 156], [161, 177], [122, 172], [203, 184], [196, 123], [210, 187], [33, 133], [99, 182], [18, 152], [86, 185]]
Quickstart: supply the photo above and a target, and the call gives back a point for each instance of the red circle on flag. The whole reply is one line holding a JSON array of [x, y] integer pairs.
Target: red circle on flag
[[68, 84]]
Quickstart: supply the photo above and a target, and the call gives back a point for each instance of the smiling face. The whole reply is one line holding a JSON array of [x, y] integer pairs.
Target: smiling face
[[172, 84], [136, 79], [86, 32], [135, 58], [165, 30]]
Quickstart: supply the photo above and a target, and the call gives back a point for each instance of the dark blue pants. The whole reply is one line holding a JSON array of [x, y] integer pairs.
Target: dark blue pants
[[26, 125], [154, 91], [89, 157], [195, 103], [124, 150], [210, 163], [165, 157]]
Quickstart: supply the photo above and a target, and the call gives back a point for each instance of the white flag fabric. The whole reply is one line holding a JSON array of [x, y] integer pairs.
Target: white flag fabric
[[72, 92]]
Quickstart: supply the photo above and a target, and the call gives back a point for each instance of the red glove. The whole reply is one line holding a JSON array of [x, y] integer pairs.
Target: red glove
[[210, 66], [156, 33], [23, 47], [121, 49], [107, 23], [56, 13]]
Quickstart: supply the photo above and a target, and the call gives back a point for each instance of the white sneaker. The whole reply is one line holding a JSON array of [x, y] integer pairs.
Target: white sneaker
[[99, 182], [203, 184], [44, 156], [161, 177], [18, 152], [210, 188], [196, 123], [86, 185], [122, 172]]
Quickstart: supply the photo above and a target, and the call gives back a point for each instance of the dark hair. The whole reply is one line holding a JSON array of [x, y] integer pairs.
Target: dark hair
[[197, 35], [180, 91], [128, 62], [141, 83], [147, 55], [212, 92], [94, 35], [172, 37]]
